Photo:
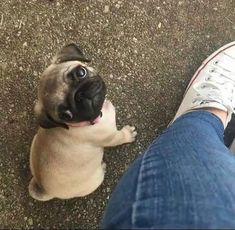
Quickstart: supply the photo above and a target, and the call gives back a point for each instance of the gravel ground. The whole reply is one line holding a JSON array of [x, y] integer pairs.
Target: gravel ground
[[146, 50]]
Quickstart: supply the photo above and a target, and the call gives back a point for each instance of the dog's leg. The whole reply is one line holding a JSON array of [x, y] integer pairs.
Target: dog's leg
[[37, 192], [125, 135]]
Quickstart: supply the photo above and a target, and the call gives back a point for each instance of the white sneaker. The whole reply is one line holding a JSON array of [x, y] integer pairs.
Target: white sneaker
[[213, 84]]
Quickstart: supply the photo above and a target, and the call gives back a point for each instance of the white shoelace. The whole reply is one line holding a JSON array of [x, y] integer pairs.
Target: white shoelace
[[219, 85]]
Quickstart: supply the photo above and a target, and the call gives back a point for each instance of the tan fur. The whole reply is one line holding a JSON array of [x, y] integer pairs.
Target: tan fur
[[67, 163]]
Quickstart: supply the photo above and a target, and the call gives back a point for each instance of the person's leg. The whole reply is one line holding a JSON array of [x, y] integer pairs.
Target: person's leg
[[185, 179]]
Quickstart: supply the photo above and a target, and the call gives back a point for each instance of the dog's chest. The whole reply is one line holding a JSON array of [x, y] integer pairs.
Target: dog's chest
[[108, 111]]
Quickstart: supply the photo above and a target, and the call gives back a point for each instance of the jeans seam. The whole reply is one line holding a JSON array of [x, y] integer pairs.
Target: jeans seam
[[138, 188]]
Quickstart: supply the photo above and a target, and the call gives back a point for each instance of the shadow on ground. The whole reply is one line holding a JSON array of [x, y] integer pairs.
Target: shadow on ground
[[146, 50]]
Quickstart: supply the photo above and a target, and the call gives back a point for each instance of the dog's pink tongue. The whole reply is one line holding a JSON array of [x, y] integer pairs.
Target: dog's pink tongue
[[97, 120]]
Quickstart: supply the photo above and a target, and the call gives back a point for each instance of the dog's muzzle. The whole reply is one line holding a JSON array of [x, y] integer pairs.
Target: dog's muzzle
[[87, 99], [89, 90]]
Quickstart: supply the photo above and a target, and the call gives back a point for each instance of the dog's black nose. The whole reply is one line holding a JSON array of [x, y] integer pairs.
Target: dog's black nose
[[89, 90], [94, 88]]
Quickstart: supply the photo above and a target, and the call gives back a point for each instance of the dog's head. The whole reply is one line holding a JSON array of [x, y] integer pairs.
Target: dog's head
[[69, 90]]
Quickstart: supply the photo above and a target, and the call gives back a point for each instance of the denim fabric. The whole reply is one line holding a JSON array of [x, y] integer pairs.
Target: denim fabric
[[185, 179]]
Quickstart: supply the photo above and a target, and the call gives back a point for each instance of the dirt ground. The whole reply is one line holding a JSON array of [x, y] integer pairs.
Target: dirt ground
[[146, 50]]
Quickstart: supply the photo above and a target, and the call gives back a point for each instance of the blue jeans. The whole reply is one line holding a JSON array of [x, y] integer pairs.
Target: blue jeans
[[185, 179]]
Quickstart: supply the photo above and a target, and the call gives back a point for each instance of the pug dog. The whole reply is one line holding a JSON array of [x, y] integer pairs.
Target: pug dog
[[76, 123]]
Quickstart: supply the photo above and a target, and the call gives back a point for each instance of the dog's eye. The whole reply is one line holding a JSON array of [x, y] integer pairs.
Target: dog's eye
[[82, 72], [78, 73], [66, 115]]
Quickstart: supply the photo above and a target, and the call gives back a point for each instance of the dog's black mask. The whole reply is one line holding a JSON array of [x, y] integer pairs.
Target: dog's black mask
[[86, 97]]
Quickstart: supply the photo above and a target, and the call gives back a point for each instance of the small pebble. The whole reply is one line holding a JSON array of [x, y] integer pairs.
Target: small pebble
[[30, 221], [117, 6], [25, 44], [135, 39], [106, 9]]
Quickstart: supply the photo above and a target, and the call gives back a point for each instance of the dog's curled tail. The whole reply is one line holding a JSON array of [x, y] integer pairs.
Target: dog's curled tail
[[37, 192]]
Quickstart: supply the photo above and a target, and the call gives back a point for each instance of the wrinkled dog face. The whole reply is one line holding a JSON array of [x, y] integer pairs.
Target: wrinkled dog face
[[69, 90]]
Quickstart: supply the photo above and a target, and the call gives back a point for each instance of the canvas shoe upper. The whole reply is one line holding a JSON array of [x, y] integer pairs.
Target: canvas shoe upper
[[213, 84]]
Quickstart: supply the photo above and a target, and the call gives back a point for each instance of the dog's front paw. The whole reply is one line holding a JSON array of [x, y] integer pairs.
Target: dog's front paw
[[130, 133]]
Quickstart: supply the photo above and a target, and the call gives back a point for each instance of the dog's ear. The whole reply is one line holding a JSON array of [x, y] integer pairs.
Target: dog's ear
[[70, 52], [45, 120]]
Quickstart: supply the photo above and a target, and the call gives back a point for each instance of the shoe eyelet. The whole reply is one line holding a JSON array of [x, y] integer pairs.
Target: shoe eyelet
[[216, 62], [212, 70]]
